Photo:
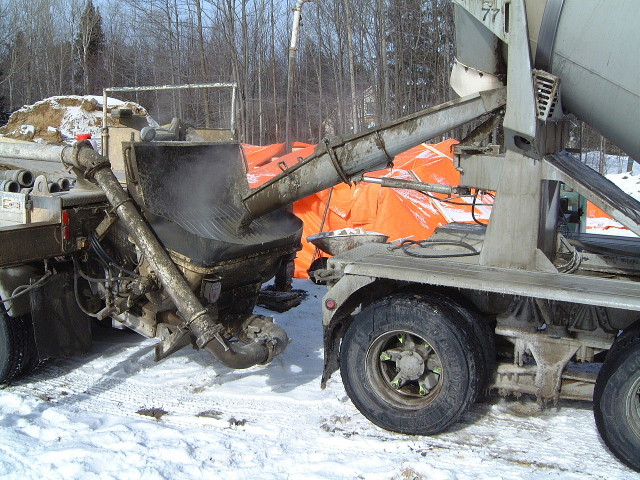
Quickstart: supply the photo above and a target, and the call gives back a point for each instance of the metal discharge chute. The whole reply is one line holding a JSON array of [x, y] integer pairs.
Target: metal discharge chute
[[343, 159]]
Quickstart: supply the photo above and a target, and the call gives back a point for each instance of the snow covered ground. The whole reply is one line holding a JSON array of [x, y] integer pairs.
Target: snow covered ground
[[116, 414]]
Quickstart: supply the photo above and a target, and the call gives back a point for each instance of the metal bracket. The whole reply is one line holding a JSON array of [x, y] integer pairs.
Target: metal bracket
[[551, 356], [174, 342], [41, 187], [380, 144], [334, 160], [105, 225], [490, 12], [282, 165]]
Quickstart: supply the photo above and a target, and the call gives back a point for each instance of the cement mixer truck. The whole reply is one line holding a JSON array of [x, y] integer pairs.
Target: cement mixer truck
[[419, 330]]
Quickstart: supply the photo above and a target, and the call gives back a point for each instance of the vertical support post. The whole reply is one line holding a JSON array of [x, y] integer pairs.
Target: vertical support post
[[511, 240], [233, 112], [104, 150], [293, 48]]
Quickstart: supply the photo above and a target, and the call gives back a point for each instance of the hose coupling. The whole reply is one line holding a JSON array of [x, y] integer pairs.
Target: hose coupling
[[205, 329]]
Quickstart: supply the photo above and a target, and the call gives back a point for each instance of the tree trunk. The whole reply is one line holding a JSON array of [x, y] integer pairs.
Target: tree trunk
[[352, 68], [203, 65], [602, 166], [274, 83]]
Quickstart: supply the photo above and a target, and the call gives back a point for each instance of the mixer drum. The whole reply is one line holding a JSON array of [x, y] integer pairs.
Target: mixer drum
[[591, 45]]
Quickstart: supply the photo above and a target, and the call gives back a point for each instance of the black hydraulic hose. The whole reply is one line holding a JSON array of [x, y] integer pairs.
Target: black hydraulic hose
[[239, 356], [21, 290], [107, 260], [76, 293], [269, 341], [430, 243], [473, 210]]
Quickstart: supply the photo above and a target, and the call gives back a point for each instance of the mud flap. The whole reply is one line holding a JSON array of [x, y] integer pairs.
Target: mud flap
[[61, 329], [271, 299]]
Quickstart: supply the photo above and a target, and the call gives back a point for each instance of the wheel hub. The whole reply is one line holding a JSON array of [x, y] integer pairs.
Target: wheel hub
[[413, 364], [410, 366]]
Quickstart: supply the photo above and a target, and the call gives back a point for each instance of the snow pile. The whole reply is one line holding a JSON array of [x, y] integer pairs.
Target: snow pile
[[116, 414], [27, 130], [59, 119], [627, 182], [608, 226]]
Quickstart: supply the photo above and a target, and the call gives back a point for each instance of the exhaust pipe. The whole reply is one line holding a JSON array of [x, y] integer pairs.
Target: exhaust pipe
[[265, 338]]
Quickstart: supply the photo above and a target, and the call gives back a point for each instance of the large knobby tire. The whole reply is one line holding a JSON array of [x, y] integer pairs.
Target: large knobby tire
[[616, 400], [15, 347], [411, 364]]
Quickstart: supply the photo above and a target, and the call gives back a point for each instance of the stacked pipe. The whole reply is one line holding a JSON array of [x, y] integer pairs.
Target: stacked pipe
[[9, 186], [21, 180], [15, 180], [58, 184]]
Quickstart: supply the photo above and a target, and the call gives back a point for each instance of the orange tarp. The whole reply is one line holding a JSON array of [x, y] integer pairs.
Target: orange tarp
[[595, 212], [398, 213], [266, 162], [598, 220]]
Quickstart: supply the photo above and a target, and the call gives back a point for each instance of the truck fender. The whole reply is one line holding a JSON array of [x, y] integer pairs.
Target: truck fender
[[10, 279], [345, 296]]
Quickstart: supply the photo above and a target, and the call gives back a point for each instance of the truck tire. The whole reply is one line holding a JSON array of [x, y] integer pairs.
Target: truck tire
[[625, 338], [14, 347], [616, 401], [410, 364], [30, 361], [483, 336]]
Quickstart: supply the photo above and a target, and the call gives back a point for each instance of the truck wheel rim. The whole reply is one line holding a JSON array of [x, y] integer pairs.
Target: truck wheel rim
[[633, 406], [404, 369]]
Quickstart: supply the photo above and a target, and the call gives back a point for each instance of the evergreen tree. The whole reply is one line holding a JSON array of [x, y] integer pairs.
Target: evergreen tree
[[89, 47], [4, 115]]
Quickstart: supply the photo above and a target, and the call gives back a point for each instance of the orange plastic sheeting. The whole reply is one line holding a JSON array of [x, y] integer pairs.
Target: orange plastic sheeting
[[595, 212], [601, 221], [398, 213], [261, 155], [258, 156], [263, 166]]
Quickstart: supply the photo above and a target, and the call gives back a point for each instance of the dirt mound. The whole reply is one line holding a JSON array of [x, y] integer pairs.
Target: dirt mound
[[59, 119]]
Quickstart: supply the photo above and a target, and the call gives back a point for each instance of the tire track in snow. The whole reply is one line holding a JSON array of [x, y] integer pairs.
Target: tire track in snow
[[487, 432]]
